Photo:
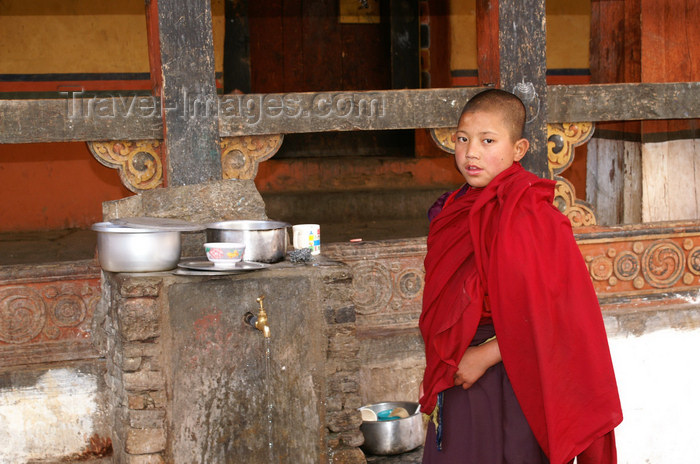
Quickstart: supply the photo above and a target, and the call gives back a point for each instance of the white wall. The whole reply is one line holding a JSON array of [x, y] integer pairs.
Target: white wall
[[52, 418], [658, 375]]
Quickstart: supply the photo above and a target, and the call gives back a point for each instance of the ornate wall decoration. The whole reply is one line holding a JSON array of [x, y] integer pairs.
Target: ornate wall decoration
[[240, 156], [22, 314], [387, 281], [139, 162], [643, 260], [578, 212], [562, 138], [46, 314], [442, 136]]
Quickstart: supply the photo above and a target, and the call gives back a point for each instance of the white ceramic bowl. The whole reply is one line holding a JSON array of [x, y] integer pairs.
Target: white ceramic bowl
[[224, 254]]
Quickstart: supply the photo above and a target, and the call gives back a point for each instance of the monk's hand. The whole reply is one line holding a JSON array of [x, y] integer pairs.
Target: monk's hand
[[475, 361]]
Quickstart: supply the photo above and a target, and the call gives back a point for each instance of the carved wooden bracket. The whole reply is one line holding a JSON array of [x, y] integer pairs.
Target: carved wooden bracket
[[140, 162], [562, 138], [240, 156]]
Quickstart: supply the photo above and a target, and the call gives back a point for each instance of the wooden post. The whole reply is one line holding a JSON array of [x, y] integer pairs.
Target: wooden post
[[523, 71], [189, 103], [613, 177], [487, 53], [405, 48], [236, 47]]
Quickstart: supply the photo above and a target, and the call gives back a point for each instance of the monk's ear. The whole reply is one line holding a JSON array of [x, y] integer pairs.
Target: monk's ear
[[521, 147]]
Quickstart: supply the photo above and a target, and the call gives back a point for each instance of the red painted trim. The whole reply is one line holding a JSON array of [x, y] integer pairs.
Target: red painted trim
[[73, 86]]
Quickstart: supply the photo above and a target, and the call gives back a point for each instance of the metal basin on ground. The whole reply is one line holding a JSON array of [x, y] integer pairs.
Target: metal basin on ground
[[395, 436]]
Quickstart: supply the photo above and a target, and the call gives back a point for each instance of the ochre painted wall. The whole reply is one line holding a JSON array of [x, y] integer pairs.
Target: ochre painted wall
[[568, 32], [82, 36], [60, 185]]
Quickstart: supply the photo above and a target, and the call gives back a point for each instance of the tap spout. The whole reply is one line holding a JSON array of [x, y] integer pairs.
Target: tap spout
[[259, 321]]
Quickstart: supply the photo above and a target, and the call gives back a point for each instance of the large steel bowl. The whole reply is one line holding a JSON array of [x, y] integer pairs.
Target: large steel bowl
[[265, 241], [131, 249], [393, 436]]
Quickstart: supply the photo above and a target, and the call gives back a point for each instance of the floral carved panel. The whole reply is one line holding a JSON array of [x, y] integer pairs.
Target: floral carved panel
[[47, 316]]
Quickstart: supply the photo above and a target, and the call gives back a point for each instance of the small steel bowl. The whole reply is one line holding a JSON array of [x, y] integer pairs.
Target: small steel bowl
[[131, 249], [394, 436]]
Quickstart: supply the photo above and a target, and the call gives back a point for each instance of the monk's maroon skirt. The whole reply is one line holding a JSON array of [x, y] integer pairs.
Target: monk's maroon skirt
[[483, 424]]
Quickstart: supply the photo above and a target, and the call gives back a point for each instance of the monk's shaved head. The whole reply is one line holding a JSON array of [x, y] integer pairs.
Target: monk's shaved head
[[508, 105]]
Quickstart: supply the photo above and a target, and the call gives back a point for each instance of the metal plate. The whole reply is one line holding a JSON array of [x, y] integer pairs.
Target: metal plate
[[203, 264], [157, 223]]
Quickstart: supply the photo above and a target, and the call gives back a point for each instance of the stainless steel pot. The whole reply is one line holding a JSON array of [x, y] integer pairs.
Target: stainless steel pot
[[393, 436], [265, 241], [131, 249]]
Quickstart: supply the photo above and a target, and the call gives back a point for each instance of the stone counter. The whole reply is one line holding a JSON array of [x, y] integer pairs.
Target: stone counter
[[190, 380]]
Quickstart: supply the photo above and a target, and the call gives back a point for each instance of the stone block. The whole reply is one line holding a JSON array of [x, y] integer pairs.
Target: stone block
[[137, 349], [352, 438], [340, 421], [348, 456], [343, 382], [147, 418], [143, 381], [131, 364], [139, 287], [145, 441], [144, 459], [139, 319], [342, 315]]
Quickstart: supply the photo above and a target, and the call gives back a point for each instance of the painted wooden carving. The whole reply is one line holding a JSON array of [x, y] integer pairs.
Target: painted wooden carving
[[562, 138], [139, 162], [47, 306], [644, 259], [240, 156]]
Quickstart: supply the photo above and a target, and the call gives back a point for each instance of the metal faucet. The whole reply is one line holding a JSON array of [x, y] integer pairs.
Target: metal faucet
[[259, 321]]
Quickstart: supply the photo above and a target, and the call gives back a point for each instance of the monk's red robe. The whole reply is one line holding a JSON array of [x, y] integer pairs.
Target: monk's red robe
[[509, 242]]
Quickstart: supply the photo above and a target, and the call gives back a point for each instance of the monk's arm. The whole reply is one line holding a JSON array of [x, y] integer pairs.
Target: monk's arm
[[475, 361]]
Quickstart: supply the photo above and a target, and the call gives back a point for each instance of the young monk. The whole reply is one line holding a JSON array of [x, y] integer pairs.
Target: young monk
[[518, 368]]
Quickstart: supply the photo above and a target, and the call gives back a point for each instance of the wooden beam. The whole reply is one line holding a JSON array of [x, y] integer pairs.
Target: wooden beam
[[623, 102], [188, 97], [523, 71], [80, 119], [135, 118]]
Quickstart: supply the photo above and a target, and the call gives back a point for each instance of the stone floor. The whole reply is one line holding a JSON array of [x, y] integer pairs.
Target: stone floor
[[412, 457]]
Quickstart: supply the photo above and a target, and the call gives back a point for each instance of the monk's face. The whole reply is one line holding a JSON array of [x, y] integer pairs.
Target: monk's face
[[484, 147]]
